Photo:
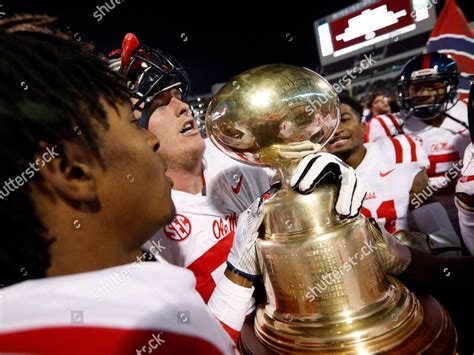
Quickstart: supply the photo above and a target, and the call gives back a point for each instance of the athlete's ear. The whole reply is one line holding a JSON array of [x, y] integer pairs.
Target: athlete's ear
[[70, 172], [363, 127]]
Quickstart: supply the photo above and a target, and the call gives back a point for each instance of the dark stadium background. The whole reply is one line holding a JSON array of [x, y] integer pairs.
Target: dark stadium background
[[224, 38]]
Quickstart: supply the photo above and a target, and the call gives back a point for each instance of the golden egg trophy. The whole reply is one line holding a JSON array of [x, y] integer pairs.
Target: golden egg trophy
[[326, 290]]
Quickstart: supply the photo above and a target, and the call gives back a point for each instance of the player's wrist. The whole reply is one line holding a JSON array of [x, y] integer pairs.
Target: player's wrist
[[465, 202], [239, 277]]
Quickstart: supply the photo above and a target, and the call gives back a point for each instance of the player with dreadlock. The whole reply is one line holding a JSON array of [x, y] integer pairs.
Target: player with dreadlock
[[72, 220]]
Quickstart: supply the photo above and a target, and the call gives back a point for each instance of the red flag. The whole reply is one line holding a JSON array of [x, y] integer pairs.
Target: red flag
[[452, 35]]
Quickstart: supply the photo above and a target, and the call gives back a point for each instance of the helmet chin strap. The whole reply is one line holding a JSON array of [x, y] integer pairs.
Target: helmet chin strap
[[456, 120], [428, 112], [444, 112], [145, 117], [431, 111]]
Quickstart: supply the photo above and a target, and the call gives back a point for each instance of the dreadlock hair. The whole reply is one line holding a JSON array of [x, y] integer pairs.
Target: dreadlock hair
[[50, 88]]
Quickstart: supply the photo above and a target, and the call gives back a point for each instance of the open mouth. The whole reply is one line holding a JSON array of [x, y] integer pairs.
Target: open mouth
[[339, 140], [188, 127]]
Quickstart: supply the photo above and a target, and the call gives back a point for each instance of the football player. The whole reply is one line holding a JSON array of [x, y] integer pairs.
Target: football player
[[393, 170], [210, 189], [76, 207], [465, 199], [431, 113]]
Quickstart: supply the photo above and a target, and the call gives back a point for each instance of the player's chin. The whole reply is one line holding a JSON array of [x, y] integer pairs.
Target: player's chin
[[163, 214], [171, 213], [342, 153], [192, 144]]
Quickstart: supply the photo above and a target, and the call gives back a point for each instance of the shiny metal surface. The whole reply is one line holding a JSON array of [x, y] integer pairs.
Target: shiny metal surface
[[272, 108], [325, 287]]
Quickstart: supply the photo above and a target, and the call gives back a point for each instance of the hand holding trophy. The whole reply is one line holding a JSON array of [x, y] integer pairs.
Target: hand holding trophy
[[326, 287]]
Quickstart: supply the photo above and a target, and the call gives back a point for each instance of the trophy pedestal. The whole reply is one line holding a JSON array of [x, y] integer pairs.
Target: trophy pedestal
[[327, 292], [435, 335]]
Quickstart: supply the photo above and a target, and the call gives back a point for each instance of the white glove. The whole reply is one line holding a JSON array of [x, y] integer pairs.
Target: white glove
[[465, 185], [315, 168], [243, 254]]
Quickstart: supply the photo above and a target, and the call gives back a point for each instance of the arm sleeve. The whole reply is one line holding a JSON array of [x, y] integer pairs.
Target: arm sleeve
[[230, 303], [466, 224], [375, 131], [422, 160], [433, 219]]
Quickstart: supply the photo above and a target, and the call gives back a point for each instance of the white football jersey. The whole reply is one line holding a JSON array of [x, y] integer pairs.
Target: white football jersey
[[387, 171], [147, 306], [444, 145], [383, 126], [201, 235], [466, 223]]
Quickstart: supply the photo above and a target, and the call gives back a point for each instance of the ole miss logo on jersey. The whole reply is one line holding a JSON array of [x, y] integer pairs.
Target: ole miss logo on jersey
[[441, 147], [179, 229], [223, 226]]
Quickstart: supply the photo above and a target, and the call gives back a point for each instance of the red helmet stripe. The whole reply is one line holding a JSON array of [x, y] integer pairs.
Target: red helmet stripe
[[426, 61]]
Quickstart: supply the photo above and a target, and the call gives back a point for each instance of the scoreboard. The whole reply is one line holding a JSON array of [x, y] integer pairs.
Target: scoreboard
[[371, 24]]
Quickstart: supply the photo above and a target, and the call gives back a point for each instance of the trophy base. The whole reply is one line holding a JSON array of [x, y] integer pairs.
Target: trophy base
[[434, 333]]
